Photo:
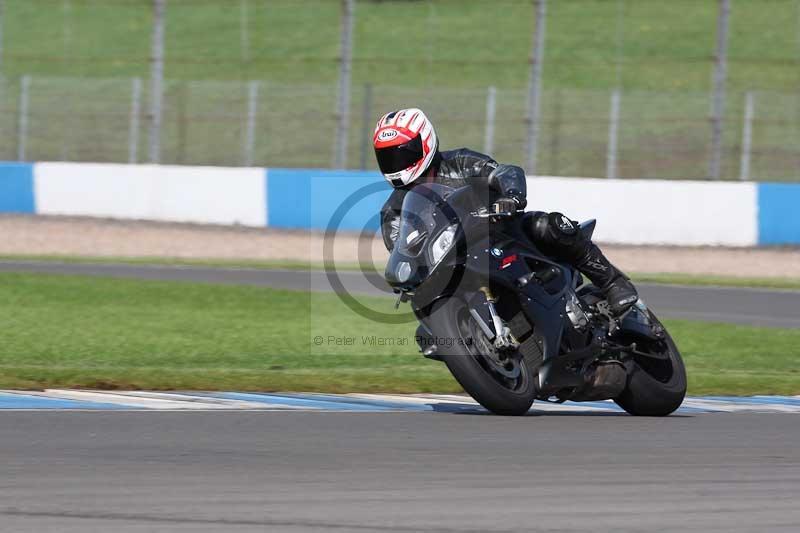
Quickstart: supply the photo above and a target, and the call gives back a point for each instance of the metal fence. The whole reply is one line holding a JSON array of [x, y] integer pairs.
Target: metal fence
[[601, 133], [582, 87]]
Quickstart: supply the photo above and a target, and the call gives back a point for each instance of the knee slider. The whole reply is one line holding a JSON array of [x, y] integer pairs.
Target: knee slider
[[561, 236], [562, 227]]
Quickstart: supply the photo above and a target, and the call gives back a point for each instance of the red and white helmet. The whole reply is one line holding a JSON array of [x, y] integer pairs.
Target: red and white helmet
[[405, 145]]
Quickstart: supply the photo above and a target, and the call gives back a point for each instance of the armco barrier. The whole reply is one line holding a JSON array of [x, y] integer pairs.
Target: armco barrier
[[670, 212], [206, 195], [16, 188], [778, 213], [629, 211], [308, 199]]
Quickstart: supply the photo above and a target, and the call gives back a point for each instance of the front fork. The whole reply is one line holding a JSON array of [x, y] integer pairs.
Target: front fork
[[481, 305]]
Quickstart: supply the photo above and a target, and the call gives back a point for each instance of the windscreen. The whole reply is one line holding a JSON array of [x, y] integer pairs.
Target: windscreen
[[421, 216]]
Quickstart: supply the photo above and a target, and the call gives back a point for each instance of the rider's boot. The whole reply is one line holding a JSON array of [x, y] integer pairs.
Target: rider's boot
[[618, 289]]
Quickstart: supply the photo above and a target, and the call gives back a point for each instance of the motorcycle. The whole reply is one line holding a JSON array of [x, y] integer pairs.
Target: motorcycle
[[511, 324]]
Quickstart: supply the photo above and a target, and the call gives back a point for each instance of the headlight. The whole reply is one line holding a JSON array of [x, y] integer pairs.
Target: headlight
[[442, 244], [403, 272]]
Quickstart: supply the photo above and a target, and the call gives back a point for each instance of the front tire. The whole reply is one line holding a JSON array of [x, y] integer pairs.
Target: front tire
[[655, 387], [503, 390]]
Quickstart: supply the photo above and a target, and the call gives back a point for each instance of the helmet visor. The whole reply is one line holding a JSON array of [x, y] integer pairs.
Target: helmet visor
[[396, 158]]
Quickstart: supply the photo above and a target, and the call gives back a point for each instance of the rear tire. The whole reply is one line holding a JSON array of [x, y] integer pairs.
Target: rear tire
[[652, 388], [511, 397]]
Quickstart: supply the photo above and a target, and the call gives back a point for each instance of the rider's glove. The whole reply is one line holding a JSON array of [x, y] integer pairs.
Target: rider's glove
[[506, 205], [517, 197]]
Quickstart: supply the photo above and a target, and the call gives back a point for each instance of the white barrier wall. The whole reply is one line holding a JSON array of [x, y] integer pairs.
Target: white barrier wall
[[654, 211], [693, 213], [206, 195]]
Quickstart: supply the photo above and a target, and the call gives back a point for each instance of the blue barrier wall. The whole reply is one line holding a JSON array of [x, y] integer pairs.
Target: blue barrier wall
[[16, 188], [764, 214], [778, 213], [309, 198]]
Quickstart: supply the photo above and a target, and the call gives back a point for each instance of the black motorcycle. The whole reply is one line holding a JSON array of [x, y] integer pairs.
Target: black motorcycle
[[511, 324]]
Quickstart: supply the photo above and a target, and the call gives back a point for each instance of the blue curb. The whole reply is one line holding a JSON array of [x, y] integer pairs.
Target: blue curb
[[24, 401], [300, 401]]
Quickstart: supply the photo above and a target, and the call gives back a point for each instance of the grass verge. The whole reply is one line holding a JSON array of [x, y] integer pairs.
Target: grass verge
[[663, 278], [179, 261], [718, 281], [70, 331]]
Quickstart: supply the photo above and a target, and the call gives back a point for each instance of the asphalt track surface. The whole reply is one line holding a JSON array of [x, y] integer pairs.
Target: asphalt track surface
[[458, 471], [396, 472], [758, 307]]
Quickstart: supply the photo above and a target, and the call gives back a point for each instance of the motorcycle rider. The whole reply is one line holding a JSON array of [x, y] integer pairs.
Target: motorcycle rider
[[407, 150]]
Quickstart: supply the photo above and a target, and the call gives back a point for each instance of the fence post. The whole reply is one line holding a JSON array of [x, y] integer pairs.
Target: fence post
[[67, 135], [250, 131], [22, 124], [182, 105], [66, 24], [366, 129], [133, 129], [720, 74], [620, 28], [2, 79], [345, 69], [2, 12], [244, 30], [534, 87], [747, 136], [156, 79], [613, 135], [491, 113], [555, 133]]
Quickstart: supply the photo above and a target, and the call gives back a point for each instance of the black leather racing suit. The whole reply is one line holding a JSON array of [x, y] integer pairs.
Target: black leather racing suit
[[554, 233], [457, 168]]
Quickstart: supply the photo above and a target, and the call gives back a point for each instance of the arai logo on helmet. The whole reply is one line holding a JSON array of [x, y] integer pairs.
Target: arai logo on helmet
[[387, 135]]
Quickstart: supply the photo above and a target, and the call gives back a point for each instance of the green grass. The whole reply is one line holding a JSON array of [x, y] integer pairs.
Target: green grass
[[719, 281], [64, 331], [92, 332], [460, 43], [663, 278], [437, 54], [275, 264]]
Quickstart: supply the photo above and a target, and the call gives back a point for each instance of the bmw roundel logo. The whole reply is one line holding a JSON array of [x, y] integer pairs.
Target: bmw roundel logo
[[497, 252]]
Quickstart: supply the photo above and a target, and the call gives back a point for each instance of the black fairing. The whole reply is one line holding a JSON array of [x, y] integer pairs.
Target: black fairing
[[496, 252], [499, 253], [428, 210]]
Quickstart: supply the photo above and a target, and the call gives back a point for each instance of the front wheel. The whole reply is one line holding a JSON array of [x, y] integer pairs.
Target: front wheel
[[504, 383], [656, 386]]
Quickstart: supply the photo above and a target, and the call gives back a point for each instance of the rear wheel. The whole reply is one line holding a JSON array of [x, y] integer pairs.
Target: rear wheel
[[656, 386], [502, 382]]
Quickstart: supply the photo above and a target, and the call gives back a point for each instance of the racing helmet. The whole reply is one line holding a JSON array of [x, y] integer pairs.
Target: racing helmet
[[405, 144]]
